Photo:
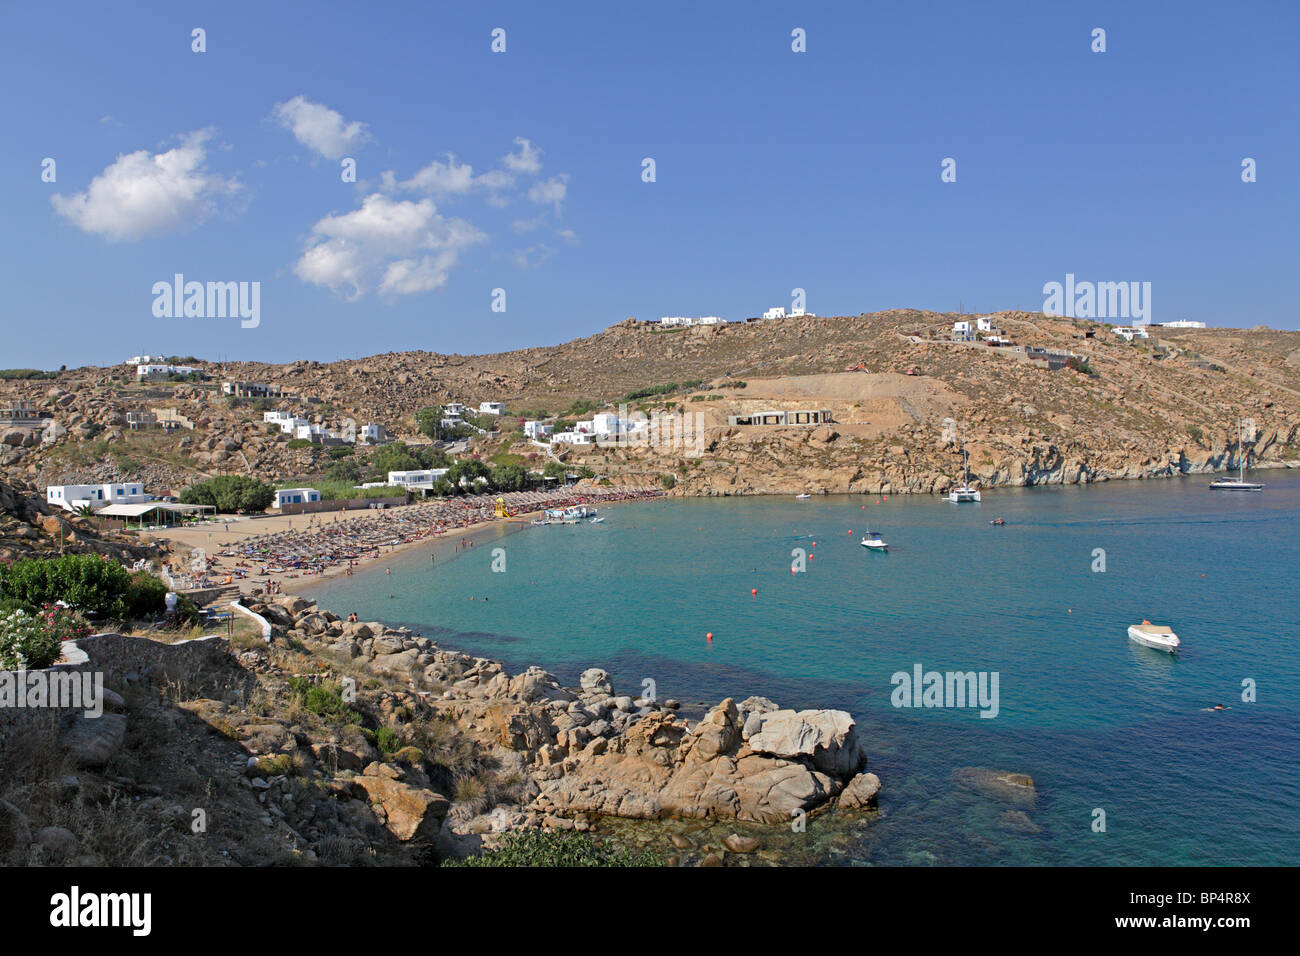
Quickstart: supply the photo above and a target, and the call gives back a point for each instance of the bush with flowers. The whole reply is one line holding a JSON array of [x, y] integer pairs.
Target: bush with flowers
[[32, 640]]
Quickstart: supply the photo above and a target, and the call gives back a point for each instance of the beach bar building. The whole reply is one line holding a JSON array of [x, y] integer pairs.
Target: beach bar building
[[153, 514]]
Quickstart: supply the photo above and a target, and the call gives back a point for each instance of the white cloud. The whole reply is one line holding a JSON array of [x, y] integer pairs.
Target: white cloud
[[527, 160], [551, 191], [521, 226], [320, 128], [568, 235], [533, 256], [149, 194], [451, 179], [403, 246]]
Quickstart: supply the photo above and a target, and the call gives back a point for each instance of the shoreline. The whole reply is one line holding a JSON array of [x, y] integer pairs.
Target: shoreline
[[223, 568]]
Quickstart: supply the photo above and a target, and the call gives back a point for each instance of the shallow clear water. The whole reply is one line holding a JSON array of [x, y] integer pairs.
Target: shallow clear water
[[1097, 721]]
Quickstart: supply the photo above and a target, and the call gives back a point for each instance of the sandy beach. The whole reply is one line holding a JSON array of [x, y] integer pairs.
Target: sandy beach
[[295, 552]]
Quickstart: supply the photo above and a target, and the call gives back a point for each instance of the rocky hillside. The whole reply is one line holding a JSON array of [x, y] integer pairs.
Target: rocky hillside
[[1167, 405], [29, 527]]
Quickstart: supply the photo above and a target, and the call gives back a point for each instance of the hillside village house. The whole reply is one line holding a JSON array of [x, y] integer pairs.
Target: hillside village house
[[535, 429], [76, 497], [295, 496], [288, 422], [573, 437], [1183, 324], [373, 434], [492, 408], [454, 410], [775, 313], [250, 390], [140, 420], [1130, 332], [152, 371], [962, 332]]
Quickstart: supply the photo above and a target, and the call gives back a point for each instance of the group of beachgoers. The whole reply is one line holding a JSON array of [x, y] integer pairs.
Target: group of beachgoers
[[347, 542]]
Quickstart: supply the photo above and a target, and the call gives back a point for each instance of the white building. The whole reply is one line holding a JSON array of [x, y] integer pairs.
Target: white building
[[604, 425], [961, 331], [709, 320], [453, 410], [288, 422], [150, 370], [536, 429], [985, 324], [295, 496], [775, 313], [373, 434], [572, 437], [1130, 332], [800, 312], [76, 497], [419, 480], [1183, 324], [250, 390], [491, 408], [145, 359]]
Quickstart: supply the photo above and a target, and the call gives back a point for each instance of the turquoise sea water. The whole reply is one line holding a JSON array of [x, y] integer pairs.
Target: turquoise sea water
[[1097, 721]]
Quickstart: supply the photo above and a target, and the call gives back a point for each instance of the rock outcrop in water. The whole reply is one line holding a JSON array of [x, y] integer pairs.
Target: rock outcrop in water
[[589, 751]]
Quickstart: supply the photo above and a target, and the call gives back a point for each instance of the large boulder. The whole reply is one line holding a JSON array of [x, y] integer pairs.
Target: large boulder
[[411, 812], [594, 681], [92, 741], [826, 737]]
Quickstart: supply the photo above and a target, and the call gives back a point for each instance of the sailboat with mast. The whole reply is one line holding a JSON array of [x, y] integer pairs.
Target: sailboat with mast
[[1239, 483], [964, 492]]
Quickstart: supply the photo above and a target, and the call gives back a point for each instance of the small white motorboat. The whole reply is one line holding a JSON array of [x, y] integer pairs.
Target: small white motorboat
[[1154, 635], [598, 519], [801, 497], [874, 542]]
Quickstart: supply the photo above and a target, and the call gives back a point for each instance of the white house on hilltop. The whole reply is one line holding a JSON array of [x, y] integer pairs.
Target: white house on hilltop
[[1130, 332], [491, 408], [962, 332], [76, 497], [775, 313], [151, 371]]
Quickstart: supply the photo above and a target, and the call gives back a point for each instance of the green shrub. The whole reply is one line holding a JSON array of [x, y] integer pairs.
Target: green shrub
[[85, 582], [557, 848], [387, 741]]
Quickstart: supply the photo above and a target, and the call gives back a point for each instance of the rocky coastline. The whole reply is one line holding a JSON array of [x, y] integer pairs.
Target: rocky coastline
[[577, 755]]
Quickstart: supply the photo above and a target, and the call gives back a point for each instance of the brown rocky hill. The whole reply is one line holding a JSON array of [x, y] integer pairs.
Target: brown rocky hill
[[1161, 406]]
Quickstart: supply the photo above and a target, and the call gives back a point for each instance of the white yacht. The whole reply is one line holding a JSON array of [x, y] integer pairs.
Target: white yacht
[[964, 492], [1154, 635], [1239, 483]]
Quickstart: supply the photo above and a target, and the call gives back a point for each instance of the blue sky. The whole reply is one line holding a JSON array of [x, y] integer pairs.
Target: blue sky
[[775, 170]]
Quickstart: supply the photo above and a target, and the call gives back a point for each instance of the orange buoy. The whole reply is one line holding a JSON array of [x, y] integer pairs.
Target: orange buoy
[[709, 637], [753, 591]]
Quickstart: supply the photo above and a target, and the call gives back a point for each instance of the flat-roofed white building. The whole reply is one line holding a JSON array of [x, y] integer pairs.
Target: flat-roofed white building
[[295, 496], [418, 480], [152, 371], [454, 409], [536, 429], [491, 408], [76, 497], [1130, 332], [572, 438], [775, 313], [1183, 324]]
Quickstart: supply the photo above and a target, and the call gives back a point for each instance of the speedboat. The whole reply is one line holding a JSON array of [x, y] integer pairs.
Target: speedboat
[[1154, 635], [598, 519], [874, 542], [801, 497]]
